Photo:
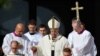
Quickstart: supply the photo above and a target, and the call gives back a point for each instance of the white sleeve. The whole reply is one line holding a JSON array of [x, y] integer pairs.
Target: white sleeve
[[88, 45], [40, 47], [66, 45], [6, 44], [70, 40], [95, 50]]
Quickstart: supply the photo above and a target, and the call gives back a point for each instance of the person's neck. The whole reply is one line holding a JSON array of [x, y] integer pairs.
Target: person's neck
[[43, 34], [32, 31], [15, 33], [14, 51], [80, 31], [53, 38]]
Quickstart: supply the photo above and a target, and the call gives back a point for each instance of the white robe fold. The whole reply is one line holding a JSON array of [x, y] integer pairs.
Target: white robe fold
[[30, 37], [22, 40], [82, 44], [34, 39], [14, 54], [45, 45]]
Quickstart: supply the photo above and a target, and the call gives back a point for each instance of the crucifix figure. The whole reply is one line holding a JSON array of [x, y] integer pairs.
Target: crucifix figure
[[77, 8]]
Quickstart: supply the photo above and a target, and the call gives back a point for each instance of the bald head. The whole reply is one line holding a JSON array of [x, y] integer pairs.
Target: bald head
[[19, 29], [67, 52], [20, 25]]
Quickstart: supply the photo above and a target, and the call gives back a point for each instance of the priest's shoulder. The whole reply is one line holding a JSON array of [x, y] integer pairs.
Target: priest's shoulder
[[46, 37], [87, 32], [25, 37], [63, 37], [26, 33], [72, 32], [8, 34]]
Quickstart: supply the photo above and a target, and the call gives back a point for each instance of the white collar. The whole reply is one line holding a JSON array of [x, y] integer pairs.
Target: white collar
[[57, 38], [11, 53]]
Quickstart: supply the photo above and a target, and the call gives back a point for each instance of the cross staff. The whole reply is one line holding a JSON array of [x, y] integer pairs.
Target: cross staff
[[77, 8]]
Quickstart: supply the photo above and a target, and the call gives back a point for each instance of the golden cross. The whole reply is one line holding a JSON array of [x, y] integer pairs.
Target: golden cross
[[77, 8]]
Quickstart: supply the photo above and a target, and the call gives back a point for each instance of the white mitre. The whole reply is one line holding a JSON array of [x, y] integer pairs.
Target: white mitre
[[53, 23]]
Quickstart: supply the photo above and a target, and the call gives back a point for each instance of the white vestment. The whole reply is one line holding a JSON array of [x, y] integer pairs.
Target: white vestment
[[22, 40], [82, 44], [45, 45], [14, 54], [34, 39], [30, 37]]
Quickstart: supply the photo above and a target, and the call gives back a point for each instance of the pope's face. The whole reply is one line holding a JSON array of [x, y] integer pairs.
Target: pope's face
[[54, 32]]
